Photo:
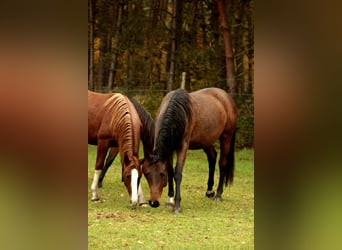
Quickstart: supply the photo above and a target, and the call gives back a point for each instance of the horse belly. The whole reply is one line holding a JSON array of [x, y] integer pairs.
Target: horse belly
[[205, 134], [203, 141], [210, 120]]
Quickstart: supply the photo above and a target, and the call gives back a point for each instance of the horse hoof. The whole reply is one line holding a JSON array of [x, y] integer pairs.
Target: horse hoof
[[95, 199], [133, 204], [210, 194], [99, 185], [169, 205], [177, 210], [144, 204], [218, 199]]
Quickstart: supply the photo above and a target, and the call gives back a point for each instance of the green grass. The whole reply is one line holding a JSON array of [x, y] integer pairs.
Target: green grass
[[202, 224]]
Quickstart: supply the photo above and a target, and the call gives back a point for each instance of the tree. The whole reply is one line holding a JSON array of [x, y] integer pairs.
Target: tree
[[90, 45], [230, 69], [115, 52], [148, 44], [171, 76]]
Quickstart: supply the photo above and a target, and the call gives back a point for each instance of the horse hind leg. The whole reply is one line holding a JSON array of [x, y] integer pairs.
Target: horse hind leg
[[111, 157], [211, 156], [226, 163], [141, 198], [100, 157]]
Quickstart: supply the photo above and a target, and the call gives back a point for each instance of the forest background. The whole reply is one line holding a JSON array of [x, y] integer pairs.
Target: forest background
[[146, 48]]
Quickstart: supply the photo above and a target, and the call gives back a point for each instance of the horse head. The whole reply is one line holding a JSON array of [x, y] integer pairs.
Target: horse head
[[156, 174], [131, 175]]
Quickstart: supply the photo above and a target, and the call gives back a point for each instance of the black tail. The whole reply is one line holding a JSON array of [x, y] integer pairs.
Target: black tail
[[229, 172]]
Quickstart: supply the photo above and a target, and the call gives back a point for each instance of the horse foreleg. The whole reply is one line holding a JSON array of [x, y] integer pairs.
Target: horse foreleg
[[141, 198], [100, 157], [181, 156], [170, 173], [95, 196], [178, 180], [111, 157], [211, 156]]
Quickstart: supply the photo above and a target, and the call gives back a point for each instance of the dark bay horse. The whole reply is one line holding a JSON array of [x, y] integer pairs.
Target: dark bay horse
[[114, 122], [191, 121], [146, 136]]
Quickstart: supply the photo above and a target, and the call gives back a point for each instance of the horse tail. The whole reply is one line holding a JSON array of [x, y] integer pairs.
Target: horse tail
[[229, 172]]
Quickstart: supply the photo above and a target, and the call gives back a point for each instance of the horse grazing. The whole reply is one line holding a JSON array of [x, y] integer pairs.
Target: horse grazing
[[146, 136], [191, 121], [114, 122]]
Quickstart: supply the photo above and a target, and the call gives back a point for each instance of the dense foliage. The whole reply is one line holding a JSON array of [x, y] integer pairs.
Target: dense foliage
[[141, 48]]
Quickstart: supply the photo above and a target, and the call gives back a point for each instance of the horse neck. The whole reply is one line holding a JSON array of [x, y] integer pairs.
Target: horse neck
[[175, 109], [123, 127], [137, 126], [147, 136], [125, 147]]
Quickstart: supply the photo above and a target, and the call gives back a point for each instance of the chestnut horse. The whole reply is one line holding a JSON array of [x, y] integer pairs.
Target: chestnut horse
[[146, 136], [114, 122], [191, 121]]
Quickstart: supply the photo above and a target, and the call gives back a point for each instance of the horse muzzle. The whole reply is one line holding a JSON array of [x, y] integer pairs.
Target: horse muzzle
[[153, 203]]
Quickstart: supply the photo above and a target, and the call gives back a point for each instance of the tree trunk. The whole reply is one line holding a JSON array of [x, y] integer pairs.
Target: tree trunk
[[171, 76], [101, 63], [250, 46], [115, 52], [91, 46], [131, 46], [155, 13], [230, 71], [239, 46]]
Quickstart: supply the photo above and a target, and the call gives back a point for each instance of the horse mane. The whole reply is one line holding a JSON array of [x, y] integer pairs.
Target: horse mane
[[172, 125], [121, 121], [147, 131]]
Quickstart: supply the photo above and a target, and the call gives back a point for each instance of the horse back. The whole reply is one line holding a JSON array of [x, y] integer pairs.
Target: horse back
[[226, 101], [214, 113]]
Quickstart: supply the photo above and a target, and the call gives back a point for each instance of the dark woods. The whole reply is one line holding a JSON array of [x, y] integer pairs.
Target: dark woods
[[143, 48], [144, 44]]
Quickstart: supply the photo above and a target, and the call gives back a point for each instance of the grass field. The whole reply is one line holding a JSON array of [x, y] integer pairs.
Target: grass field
[[202, 224]]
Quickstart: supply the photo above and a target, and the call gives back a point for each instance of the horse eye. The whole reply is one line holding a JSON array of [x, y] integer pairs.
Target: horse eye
[[128, 177], [162, 174]]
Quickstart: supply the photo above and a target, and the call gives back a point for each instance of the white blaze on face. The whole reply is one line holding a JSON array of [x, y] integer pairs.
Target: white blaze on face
[[134, 186]]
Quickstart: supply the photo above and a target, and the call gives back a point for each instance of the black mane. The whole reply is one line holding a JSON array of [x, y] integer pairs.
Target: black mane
[[147, 131], [172, 125]]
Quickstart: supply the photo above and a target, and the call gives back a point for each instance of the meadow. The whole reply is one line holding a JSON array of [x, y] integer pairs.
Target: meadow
[[202, 224]]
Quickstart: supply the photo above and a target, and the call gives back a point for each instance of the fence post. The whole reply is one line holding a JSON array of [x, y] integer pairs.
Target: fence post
[[183, 80]]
